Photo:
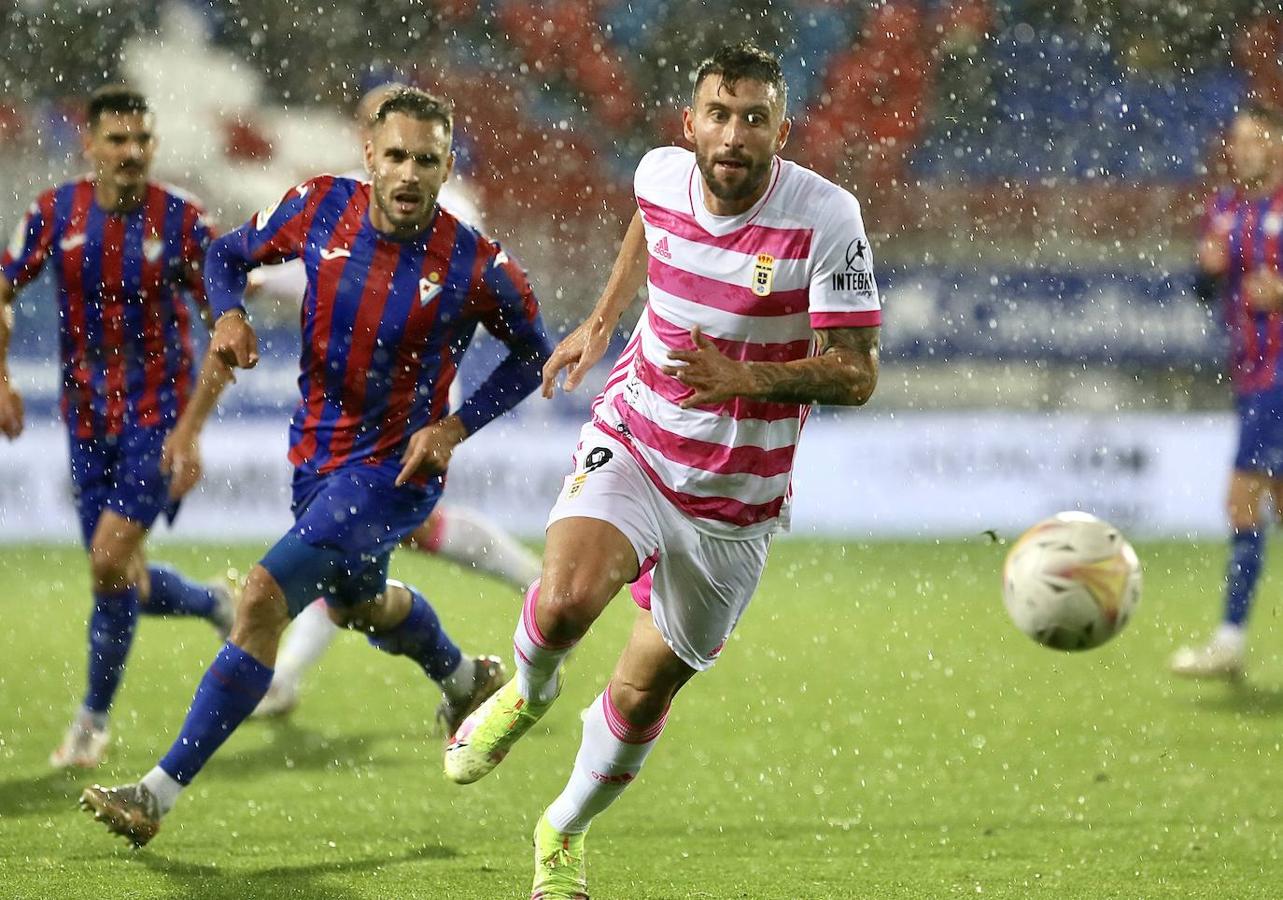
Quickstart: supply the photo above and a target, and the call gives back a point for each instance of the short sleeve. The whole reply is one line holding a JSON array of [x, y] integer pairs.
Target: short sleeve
[[843, 291], [29, 246], [277, 232], [504, 301]]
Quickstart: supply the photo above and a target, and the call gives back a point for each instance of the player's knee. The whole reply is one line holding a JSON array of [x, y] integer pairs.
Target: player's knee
[[384, 612], [109, 568], [1242, 517], [262, 609], [571, 606], [641, 705]]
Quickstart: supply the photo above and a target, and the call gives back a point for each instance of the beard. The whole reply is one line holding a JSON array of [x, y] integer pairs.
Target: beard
[[385, 197], [743, 185]]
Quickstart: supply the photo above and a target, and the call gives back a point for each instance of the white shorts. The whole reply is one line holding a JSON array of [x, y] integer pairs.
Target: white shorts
[[696, 586]]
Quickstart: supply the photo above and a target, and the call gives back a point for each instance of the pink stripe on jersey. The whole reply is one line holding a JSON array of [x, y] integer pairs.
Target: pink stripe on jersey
[[720, 509], [704, 455], [782, 243], [732, 298], [623, 366], [675, 392], [625, 731], [863, 318], [677, 338]]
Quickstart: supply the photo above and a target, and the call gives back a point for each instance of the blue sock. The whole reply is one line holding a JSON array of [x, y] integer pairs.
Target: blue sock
[[421, 638], [174, 595], [1246, 549], [228, 693], [111, 633]]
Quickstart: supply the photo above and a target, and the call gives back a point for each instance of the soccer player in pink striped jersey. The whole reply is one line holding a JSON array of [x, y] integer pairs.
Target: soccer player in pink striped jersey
[[761, 303]]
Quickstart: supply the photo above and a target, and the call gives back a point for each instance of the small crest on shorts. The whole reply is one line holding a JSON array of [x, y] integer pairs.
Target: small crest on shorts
[[763, 274], [576, 486]]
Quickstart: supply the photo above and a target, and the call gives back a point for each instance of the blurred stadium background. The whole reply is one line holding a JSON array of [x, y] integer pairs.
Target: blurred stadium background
[[1032, 176]]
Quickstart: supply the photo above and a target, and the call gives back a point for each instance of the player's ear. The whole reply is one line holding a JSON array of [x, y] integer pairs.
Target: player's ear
[[782, 137], [449, 167], [688, 124], [369, 155]]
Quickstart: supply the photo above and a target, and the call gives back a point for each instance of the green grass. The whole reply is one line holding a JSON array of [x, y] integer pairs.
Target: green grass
[[874, 729]]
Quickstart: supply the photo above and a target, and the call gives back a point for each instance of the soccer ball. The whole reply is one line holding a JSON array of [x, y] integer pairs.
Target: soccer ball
[[1071, 582]]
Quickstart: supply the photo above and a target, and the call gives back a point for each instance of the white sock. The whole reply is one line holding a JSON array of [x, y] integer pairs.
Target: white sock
[[458, 684], [305, 643], [88, 719], [1232, 636], [537, 659], [610, 756], [164, 787], [470, 539]]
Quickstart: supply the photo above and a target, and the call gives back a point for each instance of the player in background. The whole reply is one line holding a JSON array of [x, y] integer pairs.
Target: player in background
[[761, 302], [125, 253], [396, 288], [461, 535], [1239, 256]]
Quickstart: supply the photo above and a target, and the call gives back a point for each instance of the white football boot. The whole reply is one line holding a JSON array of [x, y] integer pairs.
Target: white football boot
[[1216, 659]]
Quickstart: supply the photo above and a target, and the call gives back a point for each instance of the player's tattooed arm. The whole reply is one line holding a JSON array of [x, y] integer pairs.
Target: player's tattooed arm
[[843, 373]]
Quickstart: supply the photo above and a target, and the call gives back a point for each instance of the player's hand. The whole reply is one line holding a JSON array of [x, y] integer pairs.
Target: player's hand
[[234, 341], [430, 449], [11, 411], [1214, 255], [1264, 289], [579, 351], [711, 375], [180, 462]]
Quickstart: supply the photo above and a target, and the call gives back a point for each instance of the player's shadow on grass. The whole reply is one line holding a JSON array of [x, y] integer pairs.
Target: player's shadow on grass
[[50, 792], [293, 748], [295, 881], [1244, 698]]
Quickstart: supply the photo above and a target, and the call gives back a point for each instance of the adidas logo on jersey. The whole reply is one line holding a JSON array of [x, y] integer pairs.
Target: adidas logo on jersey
[[661, 248]]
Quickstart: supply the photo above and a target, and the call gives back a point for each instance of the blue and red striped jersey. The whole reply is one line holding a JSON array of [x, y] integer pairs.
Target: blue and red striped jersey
[[125, 328], [1250, 229], [384, 322]]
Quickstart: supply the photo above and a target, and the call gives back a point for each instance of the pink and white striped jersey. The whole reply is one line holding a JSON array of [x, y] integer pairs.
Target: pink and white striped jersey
[[758, 285]]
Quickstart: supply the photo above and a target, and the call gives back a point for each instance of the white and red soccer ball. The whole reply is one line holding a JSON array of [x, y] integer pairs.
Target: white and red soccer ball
[[1071, 582]]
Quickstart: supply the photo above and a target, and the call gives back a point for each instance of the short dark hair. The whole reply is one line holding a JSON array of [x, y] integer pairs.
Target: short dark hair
[[744, 60], [417, 104], [115, 98]]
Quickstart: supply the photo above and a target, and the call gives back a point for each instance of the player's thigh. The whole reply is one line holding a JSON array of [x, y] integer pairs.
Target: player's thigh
[[699, 590], [139, 490], [602, 530], [92, 476], [117, 543], [347, 524], [586, 563], [648, 674]]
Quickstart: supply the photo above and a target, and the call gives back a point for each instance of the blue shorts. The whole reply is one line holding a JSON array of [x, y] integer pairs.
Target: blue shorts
[[120, 473], [1260, 433], [346, 525]]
